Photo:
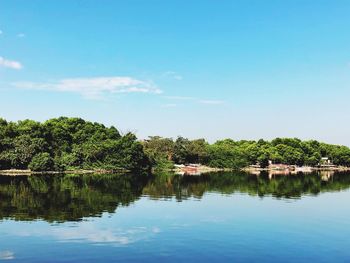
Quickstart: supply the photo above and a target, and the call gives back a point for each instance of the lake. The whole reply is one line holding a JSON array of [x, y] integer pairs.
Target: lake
[[218, 217]]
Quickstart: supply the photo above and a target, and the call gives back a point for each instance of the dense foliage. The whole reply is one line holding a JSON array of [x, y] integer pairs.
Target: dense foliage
[[42, 162], [236, 154], [67, 143], [72, 143]]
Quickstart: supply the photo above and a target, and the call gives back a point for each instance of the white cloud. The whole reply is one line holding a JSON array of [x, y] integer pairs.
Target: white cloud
[[21, 35], [94, 88], [10, 63]]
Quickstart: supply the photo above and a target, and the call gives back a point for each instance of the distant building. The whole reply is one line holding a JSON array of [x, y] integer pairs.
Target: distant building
[[281, 167], [325, 161]]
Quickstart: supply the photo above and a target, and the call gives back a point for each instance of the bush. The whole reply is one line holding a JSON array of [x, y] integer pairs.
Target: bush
[[67, 161], [41, 162]]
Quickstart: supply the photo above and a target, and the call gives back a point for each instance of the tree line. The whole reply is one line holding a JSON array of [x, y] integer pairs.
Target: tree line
[[73, 143], [237, 154]]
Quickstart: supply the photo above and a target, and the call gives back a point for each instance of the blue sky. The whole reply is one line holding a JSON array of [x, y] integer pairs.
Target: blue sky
[[214, 69]]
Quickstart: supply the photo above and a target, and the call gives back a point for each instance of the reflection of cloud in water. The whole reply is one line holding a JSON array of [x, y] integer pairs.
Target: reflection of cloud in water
[[7, 255], [90, 233], [213, 219], [180, 225], [155, 230]]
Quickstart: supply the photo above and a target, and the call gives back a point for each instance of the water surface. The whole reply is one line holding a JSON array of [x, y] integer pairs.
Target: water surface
[[222, 217]]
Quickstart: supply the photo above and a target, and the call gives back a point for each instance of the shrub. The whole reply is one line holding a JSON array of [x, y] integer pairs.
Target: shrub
[[41, 162]]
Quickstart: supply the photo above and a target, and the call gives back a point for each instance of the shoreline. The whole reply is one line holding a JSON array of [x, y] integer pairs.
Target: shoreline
[[185, 170], [295, 169], [197, 169], [16, 172]]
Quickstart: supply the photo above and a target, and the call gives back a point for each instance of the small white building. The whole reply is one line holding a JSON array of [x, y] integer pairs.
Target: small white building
[[325, 160]]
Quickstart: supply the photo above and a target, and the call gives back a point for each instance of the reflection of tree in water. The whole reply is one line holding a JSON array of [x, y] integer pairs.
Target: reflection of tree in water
[[66, 198], [295, 186], [73, 197]]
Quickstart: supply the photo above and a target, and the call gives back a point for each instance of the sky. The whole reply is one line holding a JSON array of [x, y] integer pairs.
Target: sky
[[200, 69]]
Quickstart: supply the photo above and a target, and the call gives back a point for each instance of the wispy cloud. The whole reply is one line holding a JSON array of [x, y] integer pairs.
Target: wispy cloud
[[169, 105], [212, 102], [173, 75], [179, 98], [94, 88], [10, 63], [21, 35]]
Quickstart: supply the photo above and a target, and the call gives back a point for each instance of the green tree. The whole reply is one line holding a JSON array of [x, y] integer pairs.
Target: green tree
[[41, 162], [181, 150]]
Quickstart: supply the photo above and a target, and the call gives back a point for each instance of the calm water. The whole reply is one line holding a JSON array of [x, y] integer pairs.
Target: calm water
[[170, 218]]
